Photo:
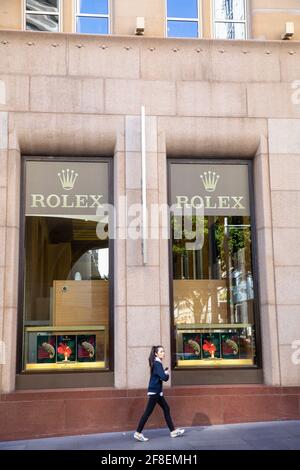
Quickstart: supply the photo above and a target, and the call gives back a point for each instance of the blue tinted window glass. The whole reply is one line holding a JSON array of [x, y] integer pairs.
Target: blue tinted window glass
[[93, 7], [183, 29], [92, 25], [182, 8]]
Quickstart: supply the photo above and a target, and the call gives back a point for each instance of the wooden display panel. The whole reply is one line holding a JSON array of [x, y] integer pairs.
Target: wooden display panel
[[80, 303]]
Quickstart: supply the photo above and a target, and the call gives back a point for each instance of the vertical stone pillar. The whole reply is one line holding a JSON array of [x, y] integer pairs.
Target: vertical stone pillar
[[3, 195], [9, 253], [164, 247], [120, 312], [142, 313], [266, 273], [284, 163]]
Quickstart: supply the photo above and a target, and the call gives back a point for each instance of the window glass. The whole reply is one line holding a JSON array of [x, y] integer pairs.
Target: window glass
[[177, 25], [182, 8], [182, 29], [42, 5], [230, 30], [42, 15], [92, 25], [92, 17], [229, 10], [213, 288], [230, 19], [42, 22], [67, 277], [95, 7]]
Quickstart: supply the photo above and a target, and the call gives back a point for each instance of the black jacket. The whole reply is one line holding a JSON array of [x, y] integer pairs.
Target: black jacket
[[157, 376]]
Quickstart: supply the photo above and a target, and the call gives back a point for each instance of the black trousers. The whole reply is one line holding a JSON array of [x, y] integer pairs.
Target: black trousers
[[153, 400]]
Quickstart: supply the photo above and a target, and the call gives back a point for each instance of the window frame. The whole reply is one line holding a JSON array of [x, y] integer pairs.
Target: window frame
[[59, 14], [28, 375], [197, 20], [244, 22], [92, 15], [209, 375]]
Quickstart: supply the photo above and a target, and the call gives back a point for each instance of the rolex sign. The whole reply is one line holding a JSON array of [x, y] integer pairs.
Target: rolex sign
[[66, 188], [218, 189]]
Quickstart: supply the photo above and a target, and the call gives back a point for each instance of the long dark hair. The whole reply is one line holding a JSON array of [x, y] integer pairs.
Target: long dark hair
[[152, 355]]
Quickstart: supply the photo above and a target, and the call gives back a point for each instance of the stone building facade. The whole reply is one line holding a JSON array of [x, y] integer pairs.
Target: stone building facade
[[66, 98]]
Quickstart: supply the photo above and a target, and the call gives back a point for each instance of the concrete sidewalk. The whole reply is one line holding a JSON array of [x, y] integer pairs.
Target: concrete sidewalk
[[279, 435]]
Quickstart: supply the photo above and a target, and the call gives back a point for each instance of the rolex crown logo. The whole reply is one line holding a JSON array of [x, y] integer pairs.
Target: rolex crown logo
[[67, 179], [210, 180]]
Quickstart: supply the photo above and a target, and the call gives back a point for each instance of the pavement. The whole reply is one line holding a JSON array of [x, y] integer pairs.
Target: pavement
[[275, 435]]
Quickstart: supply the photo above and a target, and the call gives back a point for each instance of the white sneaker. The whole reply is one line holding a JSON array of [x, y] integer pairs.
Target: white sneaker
[[140, 437], [177, 432]]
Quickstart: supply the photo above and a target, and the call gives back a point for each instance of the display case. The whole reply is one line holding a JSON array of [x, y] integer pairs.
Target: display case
[[59, 348], [215, 345]]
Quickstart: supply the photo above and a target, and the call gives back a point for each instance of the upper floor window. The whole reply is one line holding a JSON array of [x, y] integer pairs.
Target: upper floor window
[[230, 19], [42, 15], [183, 18], [92, 16]]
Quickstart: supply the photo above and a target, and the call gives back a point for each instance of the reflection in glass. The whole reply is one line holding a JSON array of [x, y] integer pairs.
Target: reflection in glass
[[182, 9], [42, 5], [213, 294], [42, 22], [183, 29], [66, 302], [93, 264], [230, 31], [91, 25], [214, 284], [229, 10], [93, 7]]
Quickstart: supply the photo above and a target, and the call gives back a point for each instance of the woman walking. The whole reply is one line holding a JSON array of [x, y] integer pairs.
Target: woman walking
[[155, 394]]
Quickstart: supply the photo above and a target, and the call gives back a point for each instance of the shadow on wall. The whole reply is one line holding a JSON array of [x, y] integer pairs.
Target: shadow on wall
[[201, 419]]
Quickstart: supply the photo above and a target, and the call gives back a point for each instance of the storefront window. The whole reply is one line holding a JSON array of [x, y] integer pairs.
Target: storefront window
[[213, 287], [66, 267]]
